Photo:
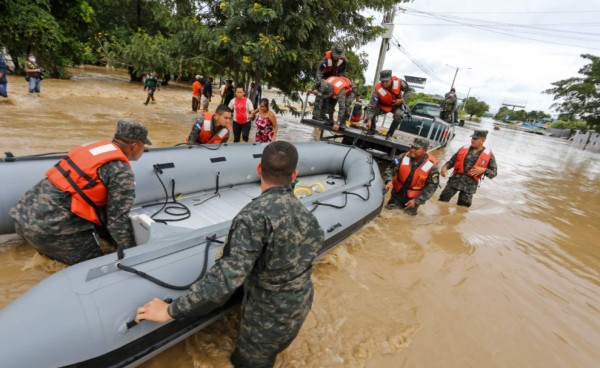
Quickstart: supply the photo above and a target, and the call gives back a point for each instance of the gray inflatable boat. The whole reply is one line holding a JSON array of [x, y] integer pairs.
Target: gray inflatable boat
[[186, 198]]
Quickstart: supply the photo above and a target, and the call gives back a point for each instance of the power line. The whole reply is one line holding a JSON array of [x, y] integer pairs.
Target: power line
[[422, 67], [505, 26], [535, 24], [524, 12], [494, 27]]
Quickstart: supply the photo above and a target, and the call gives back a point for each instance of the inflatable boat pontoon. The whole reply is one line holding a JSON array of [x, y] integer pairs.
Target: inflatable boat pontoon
[[186, 198]]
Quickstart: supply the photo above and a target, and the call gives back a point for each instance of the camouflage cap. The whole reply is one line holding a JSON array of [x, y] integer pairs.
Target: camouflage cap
[[420, 142], [385, 75], [133, 130], [337, 50], [479, 134], [326, 88]]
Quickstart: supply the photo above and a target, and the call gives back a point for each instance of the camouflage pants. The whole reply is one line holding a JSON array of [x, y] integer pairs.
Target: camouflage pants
[[397, 114], [68, 249], [320, 107], [398, 201], [446, 115], [270, 322], [464, 198], [343, 108]]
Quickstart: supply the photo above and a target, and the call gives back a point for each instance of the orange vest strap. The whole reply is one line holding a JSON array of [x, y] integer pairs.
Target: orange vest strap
[[419, 178]]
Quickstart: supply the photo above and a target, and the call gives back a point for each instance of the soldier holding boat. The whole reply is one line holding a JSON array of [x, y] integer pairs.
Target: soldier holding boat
[[270, 248], [86, 194], [413, 177]]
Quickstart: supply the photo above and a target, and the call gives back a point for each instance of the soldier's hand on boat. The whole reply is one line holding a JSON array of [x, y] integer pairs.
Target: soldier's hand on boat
[[444, 171], [155, 310], [368, 124]]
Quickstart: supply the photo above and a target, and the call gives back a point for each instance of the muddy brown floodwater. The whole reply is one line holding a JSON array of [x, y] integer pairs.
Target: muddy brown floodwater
[[511, 282]]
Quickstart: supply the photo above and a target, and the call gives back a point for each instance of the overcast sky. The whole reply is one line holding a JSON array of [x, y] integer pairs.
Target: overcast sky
[[502, 67]]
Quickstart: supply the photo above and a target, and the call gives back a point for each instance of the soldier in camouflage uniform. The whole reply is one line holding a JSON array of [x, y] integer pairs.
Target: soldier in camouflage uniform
[[379, 106], [418, 162], [330, 99], [471, 164], [333, 64], [44, 215], [449, 106], [269, 250]]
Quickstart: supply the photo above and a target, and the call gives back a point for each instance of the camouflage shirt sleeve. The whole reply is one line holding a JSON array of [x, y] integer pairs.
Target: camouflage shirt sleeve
[[392, 171], [119, 180], [431, 185], [372, 107], [194, 133], [220, 282], [492, 169], [450, 163], [320, 69]]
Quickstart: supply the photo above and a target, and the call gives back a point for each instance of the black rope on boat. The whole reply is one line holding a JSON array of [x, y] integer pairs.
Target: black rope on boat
[[217, 184], [176, 209], [346, 193], [209, 240]]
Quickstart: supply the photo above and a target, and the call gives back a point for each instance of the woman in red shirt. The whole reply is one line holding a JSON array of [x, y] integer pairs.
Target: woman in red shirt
[[242, 115]]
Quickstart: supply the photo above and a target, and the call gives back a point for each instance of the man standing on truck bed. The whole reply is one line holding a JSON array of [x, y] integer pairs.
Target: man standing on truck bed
[[388, 96]]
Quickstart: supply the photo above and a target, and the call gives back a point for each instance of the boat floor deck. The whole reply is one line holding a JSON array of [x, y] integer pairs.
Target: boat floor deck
[[207, 208]]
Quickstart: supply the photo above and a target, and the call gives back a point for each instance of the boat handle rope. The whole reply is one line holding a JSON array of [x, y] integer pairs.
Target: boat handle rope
[[209, 240], [346, 193], [334, 227], [133, 323], [176, 208], [216, 194]]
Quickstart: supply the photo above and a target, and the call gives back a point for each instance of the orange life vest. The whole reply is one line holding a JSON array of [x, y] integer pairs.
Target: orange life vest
[[419, 177], [482, 161], [205, 135], [77, 174], [340, 83], [387, 97], [330, 63]]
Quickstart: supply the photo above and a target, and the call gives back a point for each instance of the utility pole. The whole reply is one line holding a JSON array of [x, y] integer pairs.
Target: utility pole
[[388, 23], [466, 99], [455, 73]]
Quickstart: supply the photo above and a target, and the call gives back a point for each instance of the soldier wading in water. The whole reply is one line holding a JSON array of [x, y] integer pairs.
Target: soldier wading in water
[[270, 249]]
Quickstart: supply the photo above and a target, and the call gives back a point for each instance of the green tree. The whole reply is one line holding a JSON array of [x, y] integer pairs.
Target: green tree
[[416, 97], [579, 97], [475, 107], [570, 124], [282, 41], [28, 26]]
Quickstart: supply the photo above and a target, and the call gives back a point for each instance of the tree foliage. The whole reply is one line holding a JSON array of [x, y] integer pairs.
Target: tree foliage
[[579, 97], [504, 113], [416, 97], [279, 42], [475, 107]]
